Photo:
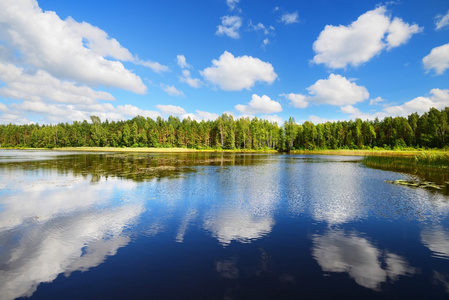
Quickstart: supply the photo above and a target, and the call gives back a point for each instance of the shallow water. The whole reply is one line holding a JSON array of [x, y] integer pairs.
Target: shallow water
[[216, 226]]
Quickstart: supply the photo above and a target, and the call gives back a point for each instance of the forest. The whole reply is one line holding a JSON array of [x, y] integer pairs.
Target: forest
[[429, 130]]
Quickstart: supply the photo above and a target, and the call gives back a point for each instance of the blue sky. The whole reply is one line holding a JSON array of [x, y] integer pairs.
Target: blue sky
[[320, 60]]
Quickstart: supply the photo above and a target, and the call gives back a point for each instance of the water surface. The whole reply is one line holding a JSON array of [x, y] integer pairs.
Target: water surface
[[216, 226]]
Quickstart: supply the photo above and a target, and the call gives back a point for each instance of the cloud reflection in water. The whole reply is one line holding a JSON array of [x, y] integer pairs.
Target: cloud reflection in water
[[337, 251], [59, 226]]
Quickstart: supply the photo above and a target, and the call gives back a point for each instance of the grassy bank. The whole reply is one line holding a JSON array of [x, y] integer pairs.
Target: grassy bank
[[377, 152], [156, 150], [432, 161], [370, 153], [358, 152]]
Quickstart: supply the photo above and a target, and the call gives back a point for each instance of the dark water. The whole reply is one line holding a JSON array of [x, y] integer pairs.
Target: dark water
[[216, 226]]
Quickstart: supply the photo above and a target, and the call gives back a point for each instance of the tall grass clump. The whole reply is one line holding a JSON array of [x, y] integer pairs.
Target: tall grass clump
[[422, 161], [430, 160], [400, 163]]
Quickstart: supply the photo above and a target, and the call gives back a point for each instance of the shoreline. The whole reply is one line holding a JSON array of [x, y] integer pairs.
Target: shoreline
[[343, 152]]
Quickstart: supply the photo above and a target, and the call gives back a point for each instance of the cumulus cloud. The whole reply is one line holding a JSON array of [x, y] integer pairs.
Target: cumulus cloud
[[200, 116], [437, 60], [290, 18], [171, 109], [50, 67], [297, 100], [182, 62], [230, 26], [171, 90], [236, 73], [273, 118], [438, 99], [204, 115], [259, 105], [187, 78], [442, 21], [55, 100], [355, 113], [318, 120], [68, 49], [41, 86], [357, 43], [376, 101], [60, 113], [336, 90]]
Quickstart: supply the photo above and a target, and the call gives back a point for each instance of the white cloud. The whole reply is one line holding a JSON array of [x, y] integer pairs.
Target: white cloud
[[442, 21], [259, 105], [318, 120], [273, 118], [3, 107], [41, 86], [265, 42], [181, 60], [290, 18], [438, 59], [171, 90], [55, 100], [357, 43], [355, 113], [399, 33], [130, 111], [230, 26], [155, 66], [200, 115], [237, 73], [67, 49], [438, 99], [297, 100], [186, 78], [204, 115], [336, 90], [171, 109], [232, 3], [61, 113], [260, 27], [376, 101]]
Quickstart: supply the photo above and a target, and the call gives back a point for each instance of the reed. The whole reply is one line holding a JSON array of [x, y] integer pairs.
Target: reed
[[438, 161]]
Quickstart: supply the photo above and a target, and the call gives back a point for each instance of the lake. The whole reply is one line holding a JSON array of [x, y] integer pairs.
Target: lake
[[216, 226]]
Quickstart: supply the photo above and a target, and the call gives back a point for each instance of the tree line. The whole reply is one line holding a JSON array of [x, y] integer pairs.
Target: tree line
[[429, 130]]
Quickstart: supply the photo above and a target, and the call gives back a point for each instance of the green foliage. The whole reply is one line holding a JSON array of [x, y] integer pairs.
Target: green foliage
[[430, 130]]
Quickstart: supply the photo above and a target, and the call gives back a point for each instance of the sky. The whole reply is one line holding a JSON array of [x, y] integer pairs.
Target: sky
[[319, 61]]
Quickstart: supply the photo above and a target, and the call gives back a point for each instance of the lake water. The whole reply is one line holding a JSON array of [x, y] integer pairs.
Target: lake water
[[216, 226]]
